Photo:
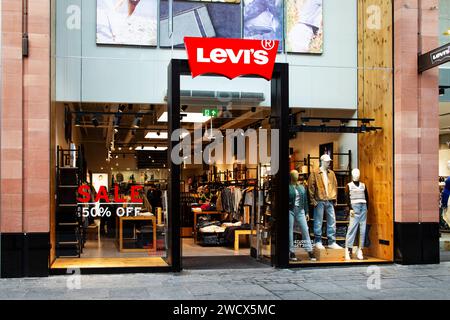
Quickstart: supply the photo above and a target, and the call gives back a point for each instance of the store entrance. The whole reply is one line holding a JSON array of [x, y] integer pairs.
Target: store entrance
[[223, 197]]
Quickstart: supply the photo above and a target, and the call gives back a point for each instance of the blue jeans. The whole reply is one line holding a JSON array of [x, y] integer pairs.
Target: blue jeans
[[358, 219], [299, 216], [328, 207]]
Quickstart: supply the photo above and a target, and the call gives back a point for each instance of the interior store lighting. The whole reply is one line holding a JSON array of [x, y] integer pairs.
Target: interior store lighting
[[147, 148], [137, 122], [191, 117], [154, 135], [95, 121]]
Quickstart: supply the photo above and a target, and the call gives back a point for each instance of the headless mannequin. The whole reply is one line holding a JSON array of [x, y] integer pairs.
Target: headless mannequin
[[300, 217], [322, 186], [362, 223]]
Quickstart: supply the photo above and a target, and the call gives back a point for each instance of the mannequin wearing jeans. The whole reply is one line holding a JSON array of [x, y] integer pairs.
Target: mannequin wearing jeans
[[298, 210], [358, 201], [322, 186]]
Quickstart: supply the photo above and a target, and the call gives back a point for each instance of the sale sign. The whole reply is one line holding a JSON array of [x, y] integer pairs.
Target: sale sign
[[231, 57]]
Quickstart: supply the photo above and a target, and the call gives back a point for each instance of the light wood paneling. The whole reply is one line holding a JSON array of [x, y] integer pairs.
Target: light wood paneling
[[64, 263], [375, 100]]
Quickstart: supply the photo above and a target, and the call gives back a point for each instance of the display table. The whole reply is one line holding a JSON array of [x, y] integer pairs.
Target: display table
[[238, 233], [203, 213], [137, 218]]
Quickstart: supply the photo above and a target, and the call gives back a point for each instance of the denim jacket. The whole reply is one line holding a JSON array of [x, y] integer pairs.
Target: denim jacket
[[303, 197]]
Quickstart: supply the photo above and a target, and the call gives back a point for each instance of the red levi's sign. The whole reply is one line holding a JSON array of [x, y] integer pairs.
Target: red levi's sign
[[231, 57]]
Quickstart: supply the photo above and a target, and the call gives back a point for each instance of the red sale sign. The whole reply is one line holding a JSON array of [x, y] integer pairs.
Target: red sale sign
[[231, 57]]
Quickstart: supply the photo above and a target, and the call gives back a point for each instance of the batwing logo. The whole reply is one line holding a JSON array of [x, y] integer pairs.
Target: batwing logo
[[440, 55], [231, 57]]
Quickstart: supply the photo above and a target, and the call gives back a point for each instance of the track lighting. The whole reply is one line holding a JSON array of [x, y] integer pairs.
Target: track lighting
[[95, 121], [78, 120], [122, 108], [137, 122]]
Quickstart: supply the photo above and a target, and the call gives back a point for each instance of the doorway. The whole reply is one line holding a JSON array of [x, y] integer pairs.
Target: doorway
[[224, 212]]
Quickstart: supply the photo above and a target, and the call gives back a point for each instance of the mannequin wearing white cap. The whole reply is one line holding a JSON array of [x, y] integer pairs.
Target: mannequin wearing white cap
[[358, 202], [322, 185]]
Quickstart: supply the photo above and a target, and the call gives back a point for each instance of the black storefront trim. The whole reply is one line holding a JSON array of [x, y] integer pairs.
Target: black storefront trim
[[25, 255], [416, 243]]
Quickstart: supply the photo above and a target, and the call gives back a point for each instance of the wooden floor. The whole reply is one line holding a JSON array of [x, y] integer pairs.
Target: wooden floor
[[63, 263]]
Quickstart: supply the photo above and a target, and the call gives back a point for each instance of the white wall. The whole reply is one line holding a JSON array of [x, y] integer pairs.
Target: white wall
[[139, 75]]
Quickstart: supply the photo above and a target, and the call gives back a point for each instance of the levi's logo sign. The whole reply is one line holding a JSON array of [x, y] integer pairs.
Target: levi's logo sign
[[440, 55], [231, 57]]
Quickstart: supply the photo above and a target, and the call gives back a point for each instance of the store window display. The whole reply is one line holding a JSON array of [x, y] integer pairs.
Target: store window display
[[322, 185], [357, 196]]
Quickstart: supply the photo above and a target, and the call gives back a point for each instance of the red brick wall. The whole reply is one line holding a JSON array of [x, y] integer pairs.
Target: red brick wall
[[416, 127], [25, 119]]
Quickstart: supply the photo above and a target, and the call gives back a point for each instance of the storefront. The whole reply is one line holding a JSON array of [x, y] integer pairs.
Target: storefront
[[153, 166]]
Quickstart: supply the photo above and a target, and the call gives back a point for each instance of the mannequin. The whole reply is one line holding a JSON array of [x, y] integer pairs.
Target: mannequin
[[357, 198], [298, 210], [322, 185]]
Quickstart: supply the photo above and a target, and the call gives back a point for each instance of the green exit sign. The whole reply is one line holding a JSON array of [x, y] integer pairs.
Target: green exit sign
[[210, 113]]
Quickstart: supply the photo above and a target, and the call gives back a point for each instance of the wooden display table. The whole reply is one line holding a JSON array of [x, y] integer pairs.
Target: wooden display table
[[202, 213], [238, 233], [137, 218]]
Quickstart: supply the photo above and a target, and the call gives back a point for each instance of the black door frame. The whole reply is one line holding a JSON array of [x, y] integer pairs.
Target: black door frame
[[279, 120]]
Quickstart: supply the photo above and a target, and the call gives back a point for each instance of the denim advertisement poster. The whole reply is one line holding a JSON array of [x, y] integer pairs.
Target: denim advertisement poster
[[194, 19], [304, 27], [127, 22], [224, 1], [263, 20]]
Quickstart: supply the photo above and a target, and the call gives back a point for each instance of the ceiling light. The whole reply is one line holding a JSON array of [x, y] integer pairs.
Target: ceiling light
[[184, 107], [137, 122], [191, 117], [184, 135], [122, 108], [120, 148], [78, 120], [130, 148], [116, 130], [95, 121], [155, 135], [152, 148]]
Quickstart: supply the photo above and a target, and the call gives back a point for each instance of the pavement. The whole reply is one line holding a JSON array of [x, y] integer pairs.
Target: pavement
[[389, 282]]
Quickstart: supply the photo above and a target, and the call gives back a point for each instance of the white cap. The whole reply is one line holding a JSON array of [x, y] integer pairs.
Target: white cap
[[325, 157]]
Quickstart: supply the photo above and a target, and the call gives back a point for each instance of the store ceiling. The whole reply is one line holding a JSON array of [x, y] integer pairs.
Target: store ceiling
[[230, 117]]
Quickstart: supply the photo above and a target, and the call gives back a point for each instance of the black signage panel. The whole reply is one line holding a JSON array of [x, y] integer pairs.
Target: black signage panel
[[434, 58]]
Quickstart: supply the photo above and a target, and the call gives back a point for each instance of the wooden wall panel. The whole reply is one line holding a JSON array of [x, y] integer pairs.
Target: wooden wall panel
[[375, 100]]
